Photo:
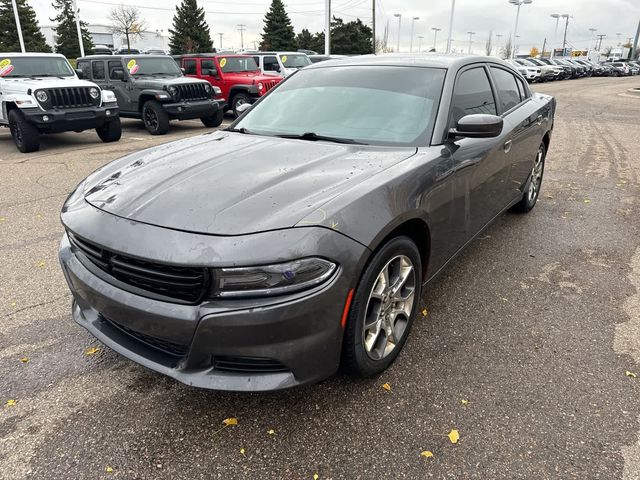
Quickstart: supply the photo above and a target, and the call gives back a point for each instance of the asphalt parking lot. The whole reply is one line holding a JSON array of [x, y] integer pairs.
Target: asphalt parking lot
[[529, 348]]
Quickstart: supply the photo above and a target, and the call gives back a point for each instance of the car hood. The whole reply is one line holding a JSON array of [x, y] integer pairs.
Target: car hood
[[161, 82], [231, 184], [45, 82]]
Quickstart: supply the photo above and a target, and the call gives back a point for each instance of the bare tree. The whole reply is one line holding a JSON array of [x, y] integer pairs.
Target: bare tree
[[506, 50], [489, 45], [127, 21]]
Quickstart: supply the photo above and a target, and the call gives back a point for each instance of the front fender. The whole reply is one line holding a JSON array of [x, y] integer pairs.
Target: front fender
[[160, 95]]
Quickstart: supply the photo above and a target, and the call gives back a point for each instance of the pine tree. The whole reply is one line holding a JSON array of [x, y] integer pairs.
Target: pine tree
[[67, 32], [34, 40], [351, 38], [190, 32], [278, 32]]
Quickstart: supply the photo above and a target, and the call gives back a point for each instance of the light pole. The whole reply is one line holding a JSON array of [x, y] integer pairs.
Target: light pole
[[518, 3], [471, 34], [593, 33], [449, 38], [618, 35], [399, 15], [18, 27], [420, 37], [555, 35], [435, 36], [413, 21], [220, 34], [566, 16], [76, 12], [327, 27]]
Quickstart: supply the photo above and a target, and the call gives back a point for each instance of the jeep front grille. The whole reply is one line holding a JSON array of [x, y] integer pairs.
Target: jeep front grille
[[193, 91], [270, 84], [70, 97]]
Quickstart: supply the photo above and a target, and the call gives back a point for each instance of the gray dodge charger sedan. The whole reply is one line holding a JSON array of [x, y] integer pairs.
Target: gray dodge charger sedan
[[300, 239]]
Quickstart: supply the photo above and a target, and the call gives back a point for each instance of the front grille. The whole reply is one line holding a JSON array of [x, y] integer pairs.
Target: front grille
[[269, 85], [70, 97], [248, 365], [181, 284], [193, 91], [173, 349]]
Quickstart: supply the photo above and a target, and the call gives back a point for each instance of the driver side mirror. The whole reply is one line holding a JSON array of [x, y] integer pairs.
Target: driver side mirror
[[478, 126], [79, 73], [117, 74]]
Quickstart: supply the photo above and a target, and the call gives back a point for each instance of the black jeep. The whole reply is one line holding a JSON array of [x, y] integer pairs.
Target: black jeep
[[153, 88]]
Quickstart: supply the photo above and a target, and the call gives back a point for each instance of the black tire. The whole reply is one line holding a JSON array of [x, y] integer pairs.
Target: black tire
[[214, 120], [25, 136], [111, 131], [239, 99], [155, 118], [529, 198], [357, 359]]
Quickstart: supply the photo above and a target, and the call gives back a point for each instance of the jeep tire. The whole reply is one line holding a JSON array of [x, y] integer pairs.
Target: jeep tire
[[155, 118], [25, 136], [111, 131], [239, 99], [214, 120]]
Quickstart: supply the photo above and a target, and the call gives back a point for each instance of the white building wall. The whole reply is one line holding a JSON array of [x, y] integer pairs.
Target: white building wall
[[102, 35]]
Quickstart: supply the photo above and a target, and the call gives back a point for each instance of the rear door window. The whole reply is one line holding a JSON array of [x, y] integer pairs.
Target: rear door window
[[190, 67], [114, 65], [472, 94], [271, 64], [507, 86], [97, 70]]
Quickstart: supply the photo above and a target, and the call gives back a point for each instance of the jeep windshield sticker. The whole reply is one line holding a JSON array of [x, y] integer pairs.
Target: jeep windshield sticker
[[223, 62], [5, 67], [284, 58], [133, 66]]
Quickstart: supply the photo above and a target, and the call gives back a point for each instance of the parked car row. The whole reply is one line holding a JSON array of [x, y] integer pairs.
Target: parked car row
[[547, 69]]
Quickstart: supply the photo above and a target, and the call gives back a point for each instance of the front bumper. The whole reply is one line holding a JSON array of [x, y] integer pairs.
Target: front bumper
[[72, 119], [190, 110], [300, 333]]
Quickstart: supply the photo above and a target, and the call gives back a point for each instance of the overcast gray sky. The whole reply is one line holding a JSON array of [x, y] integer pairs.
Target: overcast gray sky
[[481, 16]]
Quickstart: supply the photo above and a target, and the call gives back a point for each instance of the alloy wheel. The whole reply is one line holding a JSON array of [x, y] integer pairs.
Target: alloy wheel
[[150, 118], [389, 307], [536, 176]]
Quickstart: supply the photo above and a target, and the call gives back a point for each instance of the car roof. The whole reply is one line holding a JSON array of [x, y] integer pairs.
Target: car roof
[[112, 57], [211, 55], [278, 53], [30, 54], [427, 60]]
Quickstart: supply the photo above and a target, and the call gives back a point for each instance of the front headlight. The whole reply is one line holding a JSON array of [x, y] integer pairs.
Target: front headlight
[[42, 96], [268, 280], [94, 93], [207, 88]]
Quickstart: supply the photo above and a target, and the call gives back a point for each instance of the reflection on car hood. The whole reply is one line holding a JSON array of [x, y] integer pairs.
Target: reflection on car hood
[[160, 81], [231, 184]]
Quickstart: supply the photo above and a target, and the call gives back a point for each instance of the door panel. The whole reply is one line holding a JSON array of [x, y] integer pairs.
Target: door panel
[[119, 87]]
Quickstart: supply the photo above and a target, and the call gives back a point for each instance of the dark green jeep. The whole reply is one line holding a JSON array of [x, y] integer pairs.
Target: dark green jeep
[[153, 88]]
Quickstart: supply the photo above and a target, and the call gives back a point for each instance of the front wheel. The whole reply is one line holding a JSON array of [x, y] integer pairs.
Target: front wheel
[[532, 191], [383, 308], [214, 120], [25, 136], [111, 131], [239, 99], [155, 118]]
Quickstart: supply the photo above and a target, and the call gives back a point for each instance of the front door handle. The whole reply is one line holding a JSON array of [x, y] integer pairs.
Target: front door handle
[[539, 119], [507, 146]]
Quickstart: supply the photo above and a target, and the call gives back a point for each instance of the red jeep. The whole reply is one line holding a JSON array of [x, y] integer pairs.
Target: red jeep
[[238, 76]]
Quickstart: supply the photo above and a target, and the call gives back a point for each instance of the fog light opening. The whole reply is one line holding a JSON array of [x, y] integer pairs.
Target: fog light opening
[[45, 118]]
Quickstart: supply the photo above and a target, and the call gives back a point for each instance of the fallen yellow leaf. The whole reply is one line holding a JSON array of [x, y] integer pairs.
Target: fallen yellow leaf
[[427, 454], [586, 200], [271, 432], [464, 402], [424, 312], [41, 263], [2, 219], [386, 386], [230, 421], [13, 304], [242, 451], [315, 476], [108, 469], [630, 374], [24, 359], [11, 403], [454, 436], [91, 351]]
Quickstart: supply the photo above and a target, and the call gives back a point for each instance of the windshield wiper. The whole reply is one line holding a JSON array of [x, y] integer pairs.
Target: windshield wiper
[[314, 137], [239, 130]]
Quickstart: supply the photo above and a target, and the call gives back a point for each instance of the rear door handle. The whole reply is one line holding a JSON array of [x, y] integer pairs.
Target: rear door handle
[[507, 146]]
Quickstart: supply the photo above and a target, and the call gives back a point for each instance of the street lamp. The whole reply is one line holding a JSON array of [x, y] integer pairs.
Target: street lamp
[[566, 16], [399, 15], [449, 39], [555, 35], [413, 21], [420, 37], [435, 36], [593, 32], [518, 3], [471, 34]]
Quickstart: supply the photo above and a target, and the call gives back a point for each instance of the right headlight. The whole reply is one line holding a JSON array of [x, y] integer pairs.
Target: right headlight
[[269, 280], [42, 96]]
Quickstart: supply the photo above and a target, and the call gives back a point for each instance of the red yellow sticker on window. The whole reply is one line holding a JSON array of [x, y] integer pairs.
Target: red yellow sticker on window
[[223, 62], [133, 66], [5, 67]]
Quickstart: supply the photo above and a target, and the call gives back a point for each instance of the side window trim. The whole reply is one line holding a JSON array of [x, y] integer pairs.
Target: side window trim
[[484, 67]]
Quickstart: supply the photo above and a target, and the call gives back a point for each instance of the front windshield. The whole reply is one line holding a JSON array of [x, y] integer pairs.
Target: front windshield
[[143, 65], [367, 104], [237, 64], [294, 61], [36, 66]]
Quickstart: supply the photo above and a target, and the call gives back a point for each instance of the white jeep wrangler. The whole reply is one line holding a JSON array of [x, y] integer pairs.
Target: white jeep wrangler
[[41, 93]]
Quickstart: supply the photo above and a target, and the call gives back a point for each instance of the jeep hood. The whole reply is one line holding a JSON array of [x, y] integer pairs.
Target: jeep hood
[[160, 82], [231, 184], [24, 83]]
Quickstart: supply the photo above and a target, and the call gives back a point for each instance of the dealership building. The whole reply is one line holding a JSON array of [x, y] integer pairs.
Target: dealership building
[[102, 35]]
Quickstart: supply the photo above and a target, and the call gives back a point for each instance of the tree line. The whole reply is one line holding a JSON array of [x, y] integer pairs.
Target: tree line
[[190, 32]]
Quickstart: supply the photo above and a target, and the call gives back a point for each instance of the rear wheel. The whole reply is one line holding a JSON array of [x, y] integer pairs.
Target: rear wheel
[[383, 308], [111, 131], [155, 119], [25, 136], [534, 184], [214, 120], [239, 99]]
